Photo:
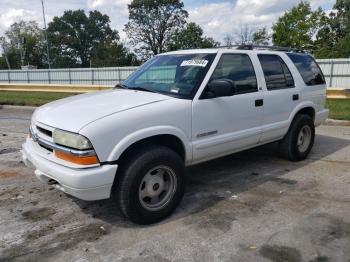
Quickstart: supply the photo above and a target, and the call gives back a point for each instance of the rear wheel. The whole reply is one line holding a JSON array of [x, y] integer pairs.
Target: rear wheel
[[298, 142], [150, 184]]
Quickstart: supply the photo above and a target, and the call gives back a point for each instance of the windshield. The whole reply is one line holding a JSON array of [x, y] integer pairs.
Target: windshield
[[174, 75]]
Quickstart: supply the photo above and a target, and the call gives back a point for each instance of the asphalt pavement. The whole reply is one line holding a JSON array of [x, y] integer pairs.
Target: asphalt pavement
[[250, 206]]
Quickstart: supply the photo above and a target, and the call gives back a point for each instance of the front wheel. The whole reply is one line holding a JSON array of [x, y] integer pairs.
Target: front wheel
[[298, 142], [150, 185]]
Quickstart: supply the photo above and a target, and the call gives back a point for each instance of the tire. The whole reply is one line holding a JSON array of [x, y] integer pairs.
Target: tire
[[150, 184], [298, 142]]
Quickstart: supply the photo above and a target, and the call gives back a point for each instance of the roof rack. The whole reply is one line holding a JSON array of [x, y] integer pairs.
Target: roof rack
[[264, 47]]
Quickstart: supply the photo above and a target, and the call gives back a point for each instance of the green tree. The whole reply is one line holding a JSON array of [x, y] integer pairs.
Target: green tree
[[152, 23], [190, 37], [113, 55], [18, 51], [78, 40], [343, 48], [340, 18], [298, 27], [261, 37], [333, 39], [3, 64], [13, 59]]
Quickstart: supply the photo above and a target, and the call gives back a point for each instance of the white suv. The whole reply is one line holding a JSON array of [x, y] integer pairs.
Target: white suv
[[132, 143]]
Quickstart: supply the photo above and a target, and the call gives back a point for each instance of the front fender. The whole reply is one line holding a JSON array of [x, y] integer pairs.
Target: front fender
[[132, 138]]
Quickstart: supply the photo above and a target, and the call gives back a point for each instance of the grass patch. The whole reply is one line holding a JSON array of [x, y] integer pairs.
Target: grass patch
[[339, 108], [29, 98]]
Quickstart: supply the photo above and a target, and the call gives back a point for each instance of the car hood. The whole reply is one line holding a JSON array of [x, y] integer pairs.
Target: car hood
[[73, 113]]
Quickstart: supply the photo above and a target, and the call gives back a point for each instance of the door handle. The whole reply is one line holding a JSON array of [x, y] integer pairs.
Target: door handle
[[295, 97], [259, 102]]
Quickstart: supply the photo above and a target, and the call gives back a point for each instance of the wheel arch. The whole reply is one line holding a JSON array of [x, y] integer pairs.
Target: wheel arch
[[307, 108], [167, 136]]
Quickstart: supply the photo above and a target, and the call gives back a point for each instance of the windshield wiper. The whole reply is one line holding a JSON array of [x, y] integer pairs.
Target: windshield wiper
[[121, 86], [138, 88]]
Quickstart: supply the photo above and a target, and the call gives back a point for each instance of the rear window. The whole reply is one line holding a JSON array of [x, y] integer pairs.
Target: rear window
[[308, 69], [276, 72]]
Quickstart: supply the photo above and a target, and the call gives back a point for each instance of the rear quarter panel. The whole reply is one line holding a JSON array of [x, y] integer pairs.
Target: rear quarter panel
[[315, 95]]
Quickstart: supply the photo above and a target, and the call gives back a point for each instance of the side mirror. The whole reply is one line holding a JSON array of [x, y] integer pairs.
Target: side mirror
[[220, 88]]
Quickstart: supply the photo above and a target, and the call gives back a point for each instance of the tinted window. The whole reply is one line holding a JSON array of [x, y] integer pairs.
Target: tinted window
[[239, 69], [277, 73], [308, 68]]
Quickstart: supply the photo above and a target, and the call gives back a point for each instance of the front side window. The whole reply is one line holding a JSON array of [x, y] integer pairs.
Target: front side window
[[239, 69], [276, 72], [308, 69], [175, 75]]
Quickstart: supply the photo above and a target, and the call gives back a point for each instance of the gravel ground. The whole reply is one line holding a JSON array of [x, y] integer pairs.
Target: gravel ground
[[251, 206]]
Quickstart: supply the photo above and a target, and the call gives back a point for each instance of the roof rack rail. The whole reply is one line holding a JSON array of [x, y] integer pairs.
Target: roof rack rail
[[264, 47]]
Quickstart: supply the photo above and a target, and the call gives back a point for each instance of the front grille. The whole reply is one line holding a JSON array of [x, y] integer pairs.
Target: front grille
[[44, 131], [46, 147]]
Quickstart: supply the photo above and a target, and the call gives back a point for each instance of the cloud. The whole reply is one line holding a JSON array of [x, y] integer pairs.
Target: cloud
[[217, 17], [117, 10], [226, 17], [14, 11], [12, 15], [105, 3]]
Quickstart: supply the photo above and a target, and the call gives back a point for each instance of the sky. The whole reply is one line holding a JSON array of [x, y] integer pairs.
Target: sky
[[217, 17]]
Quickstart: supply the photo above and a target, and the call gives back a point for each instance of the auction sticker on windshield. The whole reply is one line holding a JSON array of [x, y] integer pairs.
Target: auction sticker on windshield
[[197, 62]]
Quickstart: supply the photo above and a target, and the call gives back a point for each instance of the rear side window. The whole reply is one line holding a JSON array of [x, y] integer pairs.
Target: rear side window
[[277, 73], [239, 69], [308, 68]]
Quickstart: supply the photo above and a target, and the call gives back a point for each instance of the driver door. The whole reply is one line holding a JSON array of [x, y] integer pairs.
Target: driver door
[[224, 125]]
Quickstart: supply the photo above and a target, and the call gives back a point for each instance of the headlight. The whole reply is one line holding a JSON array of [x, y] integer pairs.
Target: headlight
[[72, 140]]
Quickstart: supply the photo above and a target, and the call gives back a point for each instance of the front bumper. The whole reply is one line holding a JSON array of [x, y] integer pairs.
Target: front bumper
[[92, 183]]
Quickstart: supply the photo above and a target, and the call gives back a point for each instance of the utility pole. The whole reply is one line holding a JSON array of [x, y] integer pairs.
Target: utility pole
[[47, 42], [22, 48]]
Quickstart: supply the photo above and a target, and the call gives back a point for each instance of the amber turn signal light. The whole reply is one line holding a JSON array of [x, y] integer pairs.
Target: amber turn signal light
[[80, 160]]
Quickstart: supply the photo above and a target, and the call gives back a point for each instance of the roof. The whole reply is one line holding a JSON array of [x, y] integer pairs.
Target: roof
[[192, 51], [236, 48]]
